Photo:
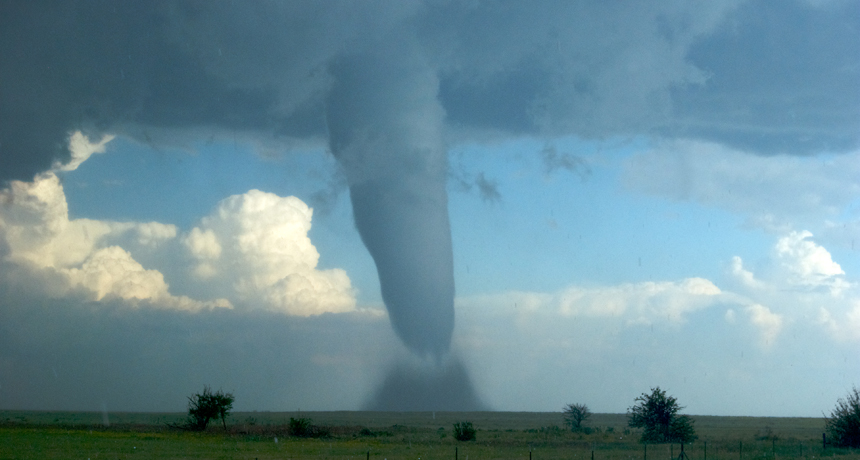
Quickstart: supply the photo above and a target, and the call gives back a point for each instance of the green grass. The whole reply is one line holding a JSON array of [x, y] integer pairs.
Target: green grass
[[395, 436]]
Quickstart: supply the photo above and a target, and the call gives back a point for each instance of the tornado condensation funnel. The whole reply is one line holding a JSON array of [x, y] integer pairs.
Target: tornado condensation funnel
[[385, 127]]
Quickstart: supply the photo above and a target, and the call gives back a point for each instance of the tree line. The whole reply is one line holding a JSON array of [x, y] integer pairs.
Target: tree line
[[658, 415]]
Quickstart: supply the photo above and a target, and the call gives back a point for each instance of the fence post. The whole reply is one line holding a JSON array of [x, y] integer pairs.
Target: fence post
[[530, 453], [824, 441], [706, 450], [741, 450]]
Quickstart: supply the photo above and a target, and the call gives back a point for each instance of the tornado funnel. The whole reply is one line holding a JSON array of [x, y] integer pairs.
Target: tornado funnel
[[385, 128], [408, 235]]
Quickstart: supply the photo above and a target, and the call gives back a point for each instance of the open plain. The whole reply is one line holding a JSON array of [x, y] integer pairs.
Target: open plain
[[396, 436]]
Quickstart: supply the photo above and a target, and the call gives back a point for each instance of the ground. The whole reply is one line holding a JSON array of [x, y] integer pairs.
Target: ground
[[390, 435]]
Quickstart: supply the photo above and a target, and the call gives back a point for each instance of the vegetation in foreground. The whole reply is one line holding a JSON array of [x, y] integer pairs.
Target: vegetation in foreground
[[395, 436], [843, 425]]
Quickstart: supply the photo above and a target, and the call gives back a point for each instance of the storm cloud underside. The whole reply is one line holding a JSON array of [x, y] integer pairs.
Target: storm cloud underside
[[267, 69]]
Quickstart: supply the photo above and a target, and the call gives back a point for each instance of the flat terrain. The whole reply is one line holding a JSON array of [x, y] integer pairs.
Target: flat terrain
[[395, 436]]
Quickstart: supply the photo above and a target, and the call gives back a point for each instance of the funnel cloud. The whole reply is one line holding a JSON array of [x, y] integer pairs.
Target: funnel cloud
[[385, 130]]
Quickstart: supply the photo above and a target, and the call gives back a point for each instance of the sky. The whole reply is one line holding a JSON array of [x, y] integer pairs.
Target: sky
[[430, 205]]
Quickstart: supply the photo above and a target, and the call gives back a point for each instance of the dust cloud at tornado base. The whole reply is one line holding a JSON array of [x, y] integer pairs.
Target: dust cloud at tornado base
[[415, 386]]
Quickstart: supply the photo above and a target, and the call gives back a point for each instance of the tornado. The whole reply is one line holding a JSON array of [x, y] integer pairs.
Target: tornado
[[385, 129]]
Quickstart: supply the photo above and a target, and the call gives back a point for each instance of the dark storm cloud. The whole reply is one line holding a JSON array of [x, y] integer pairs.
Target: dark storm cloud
[[141, 66], [768, 78], [780, 79]]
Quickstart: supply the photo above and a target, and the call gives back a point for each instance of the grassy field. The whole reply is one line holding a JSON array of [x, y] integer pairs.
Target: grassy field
[[396, 436]]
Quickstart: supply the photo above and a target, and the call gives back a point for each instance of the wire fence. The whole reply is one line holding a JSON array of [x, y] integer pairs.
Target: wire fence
[[699, 450]]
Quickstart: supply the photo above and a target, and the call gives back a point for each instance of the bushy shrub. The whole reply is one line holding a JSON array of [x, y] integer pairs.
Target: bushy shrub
[[304, 428], [553, 430], [766, 434], [464, 431], [843, 425], [301, 427]]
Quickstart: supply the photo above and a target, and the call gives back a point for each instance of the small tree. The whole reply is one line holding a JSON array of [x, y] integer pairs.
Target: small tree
[[464, 431], [843, 425], [575, 415], [658, 415], [203, 407]]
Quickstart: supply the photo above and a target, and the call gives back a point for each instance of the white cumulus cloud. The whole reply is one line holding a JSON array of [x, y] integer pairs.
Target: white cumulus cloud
[[258, 242], [61, 255], [111, 272], [799, 283], [808, 264], [846, 326], [254, 248], [81, 149], [203, 246], [746, 277], [768, 323], [35, 222], [633, 303], [644, 302]]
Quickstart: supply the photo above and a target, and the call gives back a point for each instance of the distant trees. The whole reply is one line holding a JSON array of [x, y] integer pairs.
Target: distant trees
[[575, 415], [843, 425], [464, 431], [657, 415], [303, 427], [205, 406]]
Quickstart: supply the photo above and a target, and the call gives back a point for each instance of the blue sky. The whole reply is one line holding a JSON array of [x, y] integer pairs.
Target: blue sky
[[544, 230], [653, 195], [592, 230]]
